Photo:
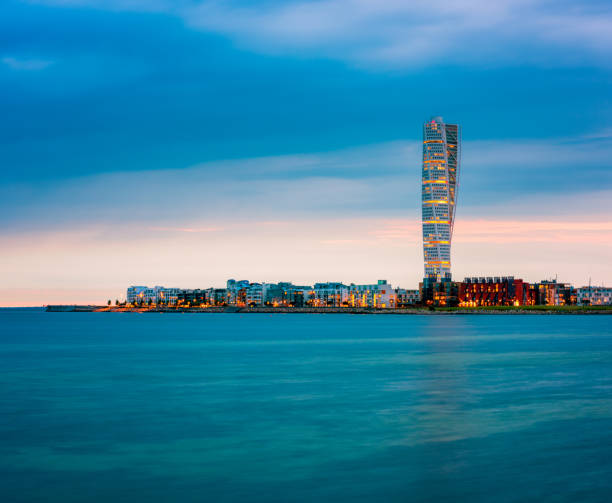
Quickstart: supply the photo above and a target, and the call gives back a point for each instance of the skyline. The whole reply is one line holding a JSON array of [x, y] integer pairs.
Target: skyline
[[182, 143]]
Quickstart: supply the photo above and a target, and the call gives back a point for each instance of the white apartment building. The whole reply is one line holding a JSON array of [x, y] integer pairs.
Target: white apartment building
[[135, 293], [380, 294], [330, 294], [155, 295], [595, 296]]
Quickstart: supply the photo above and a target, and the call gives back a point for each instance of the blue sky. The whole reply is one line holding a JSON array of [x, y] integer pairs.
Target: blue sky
[[124, 119]]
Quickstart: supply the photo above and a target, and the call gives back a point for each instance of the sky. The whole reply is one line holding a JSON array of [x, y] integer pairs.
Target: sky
[[182, 143]]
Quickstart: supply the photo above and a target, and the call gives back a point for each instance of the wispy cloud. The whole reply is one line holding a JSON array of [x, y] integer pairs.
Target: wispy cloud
[[396, 32], [502, 178], [26, 64], [401, 33]]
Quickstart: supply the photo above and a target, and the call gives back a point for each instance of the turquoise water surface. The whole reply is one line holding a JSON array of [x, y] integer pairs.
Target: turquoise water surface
[[110, 407]]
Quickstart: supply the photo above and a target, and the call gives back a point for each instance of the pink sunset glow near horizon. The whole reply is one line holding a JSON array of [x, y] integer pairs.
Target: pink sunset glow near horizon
[[89, 265]]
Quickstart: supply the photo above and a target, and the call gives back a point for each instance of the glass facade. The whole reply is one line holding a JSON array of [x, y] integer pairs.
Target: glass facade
[[441, 160]]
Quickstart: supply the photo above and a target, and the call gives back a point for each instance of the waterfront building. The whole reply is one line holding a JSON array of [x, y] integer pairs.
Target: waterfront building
[[167, 295], [296, 295], [273, 294], [135, 294], [186, 297], [404, 298], [195, 297], [254, 294], [156, 295], [594, 296], [233, 284], [237, 292], [300, 296], [440, 170], [151, 295], [553, 293], [286, 293], [379, 295], [495, 291], [439, 293], [329, 295], [217, 296]]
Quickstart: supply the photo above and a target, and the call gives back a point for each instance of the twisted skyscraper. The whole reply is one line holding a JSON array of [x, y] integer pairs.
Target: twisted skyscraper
[[441, 159]]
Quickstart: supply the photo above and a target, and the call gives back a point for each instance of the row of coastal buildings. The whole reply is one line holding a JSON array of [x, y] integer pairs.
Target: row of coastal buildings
[[244, 293], [509, 291], [471, 292]]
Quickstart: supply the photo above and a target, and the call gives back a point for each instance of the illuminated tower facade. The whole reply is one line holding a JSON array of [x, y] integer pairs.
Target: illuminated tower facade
[[441, 159]]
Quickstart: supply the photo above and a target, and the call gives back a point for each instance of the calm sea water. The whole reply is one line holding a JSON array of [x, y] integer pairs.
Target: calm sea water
[[281, 408]]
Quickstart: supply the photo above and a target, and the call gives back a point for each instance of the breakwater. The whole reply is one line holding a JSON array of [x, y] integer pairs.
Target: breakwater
[[340, 310]]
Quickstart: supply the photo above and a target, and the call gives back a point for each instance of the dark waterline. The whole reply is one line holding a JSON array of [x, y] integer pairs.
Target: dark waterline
[[281, 408]]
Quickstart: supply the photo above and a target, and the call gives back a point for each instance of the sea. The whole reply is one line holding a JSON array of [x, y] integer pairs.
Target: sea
[[158, 407]]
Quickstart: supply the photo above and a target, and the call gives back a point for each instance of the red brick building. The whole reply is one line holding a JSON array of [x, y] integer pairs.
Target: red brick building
[[495, 291]]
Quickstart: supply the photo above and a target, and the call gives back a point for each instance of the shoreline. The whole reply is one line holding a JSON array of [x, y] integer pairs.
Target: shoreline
[[530, 310]]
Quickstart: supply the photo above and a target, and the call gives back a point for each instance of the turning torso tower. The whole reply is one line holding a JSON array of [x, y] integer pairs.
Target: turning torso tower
[[441, 159]]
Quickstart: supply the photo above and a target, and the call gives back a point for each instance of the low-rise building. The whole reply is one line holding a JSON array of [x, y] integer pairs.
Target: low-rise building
[[168, 295], [495, 291], [237, 292], [157, 295], [195, 297], [286, 293], [553, 293], [254, 294], [405, 298], [329, 295], [594, 296], [379, 295], [273, 294], [135, 294], [217, 296]]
